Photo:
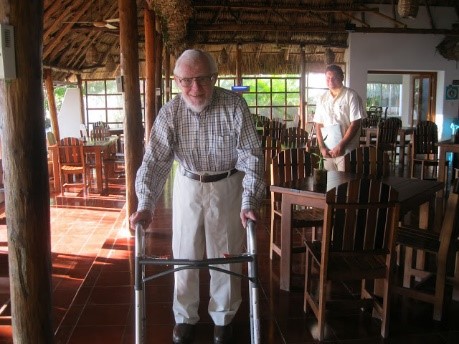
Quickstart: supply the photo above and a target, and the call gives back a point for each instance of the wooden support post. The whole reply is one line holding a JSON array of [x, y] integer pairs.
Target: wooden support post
[[158, 71], [239, 65], [52, 103], [302, 87], [150, 61], [133, 131], [26, 177]]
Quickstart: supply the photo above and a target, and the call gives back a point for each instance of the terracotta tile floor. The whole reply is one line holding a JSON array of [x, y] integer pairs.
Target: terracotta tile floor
[[93, 287]]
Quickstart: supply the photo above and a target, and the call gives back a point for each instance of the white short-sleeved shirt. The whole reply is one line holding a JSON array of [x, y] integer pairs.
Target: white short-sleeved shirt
[[342, 110]]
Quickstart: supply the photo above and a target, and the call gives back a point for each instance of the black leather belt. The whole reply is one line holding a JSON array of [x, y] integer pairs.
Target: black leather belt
[[208, 178]]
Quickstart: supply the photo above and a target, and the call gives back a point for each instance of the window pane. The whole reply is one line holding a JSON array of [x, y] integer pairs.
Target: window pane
[[293, 99], [278, 113], [263, 85], [264, 99], [96, 115], [96, 102], [114, 101], [251, 83], [96, 87], [116, 116], [293, 85], [264, 112], [250, 98], [111, 86], [279, 99], [226, 83], [278, 85], [313, 95]]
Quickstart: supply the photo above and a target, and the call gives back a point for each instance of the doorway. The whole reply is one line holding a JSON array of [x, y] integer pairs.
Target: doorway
[[417, 94], [423, 93]]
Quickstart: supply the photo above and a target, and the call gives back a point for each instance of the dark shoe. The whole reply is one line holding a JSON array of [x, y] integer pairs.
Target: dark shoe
[[183, 333], [223, 334]]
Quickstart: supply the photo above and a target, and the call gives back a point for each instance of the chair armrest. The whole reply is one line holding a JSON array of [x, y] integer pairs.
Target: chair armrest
[[418, 238]]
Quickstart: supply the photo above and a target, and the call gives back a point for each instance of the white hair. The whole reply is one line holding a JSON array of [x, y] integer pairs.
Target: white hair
[[192, 56]]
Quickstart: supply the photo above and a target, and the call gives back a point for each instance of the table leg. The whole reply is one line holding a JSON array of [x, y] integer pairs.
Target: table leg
[[56, 172], [401, 155], [286, 247], [98, 158]]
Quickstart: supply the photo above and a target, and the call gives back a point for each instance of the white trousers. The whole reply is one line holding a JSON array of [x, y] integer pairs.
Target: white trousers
[[206, 221], [334, 164]]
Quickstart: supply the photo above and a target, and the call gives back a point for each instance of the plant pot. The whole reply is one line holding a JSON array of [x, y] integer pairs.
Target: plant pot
[[320, 177]]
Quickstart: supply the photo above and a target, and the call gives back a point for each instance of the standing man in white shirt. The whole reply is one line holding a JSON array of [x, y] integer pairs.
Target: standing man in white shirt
[[218, 184], [337, 118]]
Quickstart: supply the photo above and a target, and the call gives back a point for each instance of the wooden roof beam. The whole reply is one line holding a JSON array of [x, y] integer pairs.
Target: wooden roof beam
[[288, 29], [288, 8]]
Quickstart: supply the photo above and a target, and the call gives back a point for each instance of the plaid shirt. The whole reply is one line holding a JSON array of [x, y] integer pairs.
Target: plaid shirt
[[220, 138]]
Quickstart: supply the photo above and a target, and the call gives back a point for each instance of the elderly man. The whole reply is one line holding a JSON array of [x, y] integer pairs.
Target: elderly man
[[338, 115], [218, 185]]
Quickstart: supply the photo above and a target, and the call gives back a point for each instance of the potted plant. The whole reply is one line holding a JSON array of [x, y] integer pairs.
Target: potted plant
[[319, 172]]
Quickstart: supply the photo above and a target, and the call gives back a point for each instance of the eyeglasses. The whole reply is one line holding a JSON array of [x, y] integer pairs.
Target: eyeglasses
[[200, 80]]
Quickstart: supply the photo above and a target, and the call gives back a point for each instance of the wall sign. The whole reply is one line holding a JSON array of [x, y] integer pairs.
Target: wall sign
[[452, 92]]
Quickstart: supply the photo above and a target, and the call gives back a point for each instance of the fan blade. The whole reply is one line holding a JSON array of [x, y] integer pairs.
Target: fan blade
[[113, 20], [110, 26]]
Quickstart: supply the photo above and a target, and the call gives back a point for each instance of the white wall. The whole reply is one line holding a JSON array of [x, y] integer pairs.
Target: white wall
[[69, 116], [406, 52]]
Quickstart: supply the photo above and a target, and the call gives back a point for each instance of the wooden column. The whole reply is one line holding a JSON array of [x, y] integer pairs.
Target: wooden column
[[158, 71], [150, 62], [167, 74], [52, 103], [133, 131], [80, 87], [26, 177], [239, 65], [302, 87]]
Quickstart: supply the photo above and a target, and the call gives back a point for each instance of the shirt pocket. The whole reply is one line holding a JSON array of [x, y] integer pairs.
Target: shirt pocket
[[224, 147]]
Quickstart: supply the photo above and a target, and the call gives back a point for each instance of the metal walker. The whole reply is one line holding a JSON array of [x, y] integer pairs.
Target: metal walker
[[180, 264]]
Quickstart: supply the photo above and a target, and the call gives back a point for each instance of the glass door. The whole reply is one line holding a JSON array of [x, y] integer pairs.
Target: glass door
[[423, 97]]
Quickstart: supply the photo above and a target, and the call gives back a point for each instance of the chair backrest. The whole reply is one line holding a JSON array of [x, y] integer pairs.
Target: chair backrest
[[71, 151], [274, 128], [289, 165], [387, 133], [425, 138], [295, 137], [367, 161], [360, 216], [271, 147]]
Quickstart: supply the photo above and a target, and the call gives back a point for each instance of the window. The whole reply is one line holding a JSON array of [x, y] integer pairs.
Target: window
[[276, 97], [104, 103], [384, 95]]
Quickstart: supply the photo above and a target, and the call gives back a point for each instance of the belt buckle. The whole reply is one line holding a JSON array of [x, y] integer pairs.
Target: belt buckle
[[202, 177]]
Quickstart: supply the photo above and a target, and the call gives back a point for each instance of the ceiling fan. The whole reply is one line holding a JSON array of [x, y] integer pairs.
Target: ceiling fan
[[105, 23]]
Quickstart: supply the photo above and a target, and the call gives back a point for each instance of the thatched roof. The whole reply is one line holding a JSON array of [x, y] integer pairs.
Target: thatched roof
[[270, 34]]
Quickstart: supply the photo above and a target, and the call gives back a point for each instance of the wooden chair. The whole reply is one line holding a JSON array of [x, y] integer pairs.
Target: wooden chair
[[72, 164], [357, 244], [288, 165], [271, 147], [294, 137], [275, 129], [442, 245], [386, 139], [424, 151], [367, 161]]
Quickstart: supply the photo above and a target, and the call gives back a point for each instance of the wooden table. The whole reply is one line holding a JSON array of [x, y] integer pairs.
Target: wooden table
[[444, 147], [99, 148], [413, 194], [403, 132]]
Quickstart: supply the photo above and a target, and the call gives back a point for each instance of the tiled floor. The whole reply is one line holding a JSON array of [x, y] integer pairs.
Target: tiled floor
[[93, 288]]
